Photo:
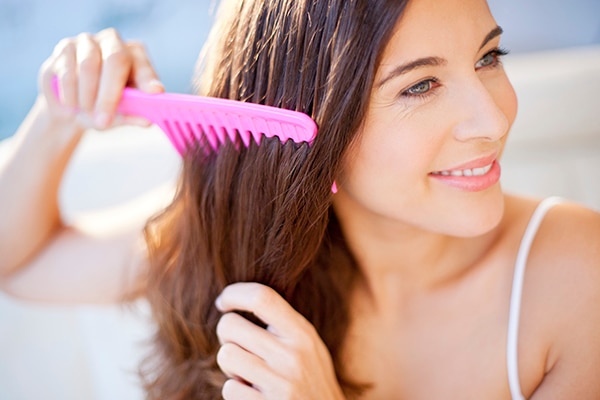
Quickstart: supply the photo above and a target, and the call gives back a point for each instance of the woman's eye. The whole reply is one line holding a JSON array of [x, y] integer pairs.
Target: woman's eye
[[488, 59], [491, 59], [421, 88]]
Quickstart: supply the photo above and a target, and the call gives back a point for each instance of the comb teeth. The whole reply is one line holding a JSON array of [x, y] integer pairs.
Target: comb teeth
[[184, 134], [189, 120]]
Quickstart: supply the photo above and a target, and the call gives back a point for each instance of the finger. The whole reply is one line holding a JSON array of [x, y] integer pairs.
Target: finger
[[233, 328], [236, 362], [63, 65], [120, 119], [236, 390], [49, 87], [265, 303], [89, 65], [143, 75], [115, 71]]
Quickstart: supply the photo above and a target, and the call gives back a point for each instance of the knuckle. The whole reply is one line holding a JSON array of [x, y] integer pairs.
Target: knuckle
[[65, 46], [137, 46], [119, 57], [262, 297], [109, 33], [84, 36]]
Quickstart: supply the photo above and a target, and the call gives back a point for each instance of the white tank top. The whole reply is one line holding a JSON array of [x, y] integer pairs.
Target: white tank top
[[515, 298]]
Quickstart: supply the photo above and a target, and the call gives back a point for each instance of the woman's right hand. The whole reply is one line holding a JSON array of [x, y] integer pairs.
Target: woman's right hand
[[92, 71]]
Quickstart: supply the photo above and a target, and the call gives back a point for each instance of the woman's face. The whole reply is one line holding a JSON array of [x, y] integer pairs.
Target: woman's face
[[438, 117]]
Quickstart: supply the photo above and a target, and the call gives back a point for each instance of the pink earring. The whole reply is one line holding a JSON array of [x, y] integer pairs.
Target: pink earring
[[334, 188]]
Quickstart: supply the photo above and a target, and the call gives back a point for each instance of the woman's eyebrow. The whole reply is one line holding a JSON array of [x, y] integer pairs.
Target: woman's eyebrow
[[497, 31], [432, 61], [409, 66]]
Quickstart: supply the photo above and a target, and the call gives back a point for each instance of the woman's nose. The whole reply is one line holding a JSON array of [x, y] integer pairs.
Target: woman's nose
[[478, 114]]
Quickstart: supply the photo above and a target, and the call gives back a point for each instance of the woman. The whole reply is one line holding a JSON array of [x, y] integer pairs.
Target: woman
[[264, 283]]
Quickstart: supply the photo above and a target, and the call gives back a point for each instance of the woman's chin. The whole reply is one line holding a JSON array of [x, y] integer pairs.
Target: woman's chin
[[479, 218]]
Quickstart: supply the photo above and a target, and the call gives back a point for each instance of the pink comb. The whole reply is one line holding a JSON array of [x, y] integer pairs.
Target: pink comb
[[187, 119]]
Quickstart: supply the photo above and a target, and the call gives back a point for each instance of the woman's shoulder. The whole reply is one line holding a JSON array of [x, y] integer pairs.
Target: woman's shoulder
[[561, 291], [568, 233], [564, 258], [565, 247]]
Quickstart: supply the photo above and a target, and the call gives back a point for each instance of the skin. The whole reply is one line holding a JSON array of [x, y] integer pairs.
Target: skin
[[429, 316], [38, 249]]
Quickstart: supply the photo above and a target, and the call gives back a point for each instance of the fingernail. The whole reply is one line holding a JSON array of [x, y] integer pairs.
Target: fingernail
[[155, 84], [102, 119], [218, 303]]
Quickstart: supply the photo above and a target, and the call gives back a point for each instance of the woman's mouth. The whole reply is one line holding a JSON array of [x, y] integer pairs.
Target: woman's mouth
[[470, 179], [466, 172]]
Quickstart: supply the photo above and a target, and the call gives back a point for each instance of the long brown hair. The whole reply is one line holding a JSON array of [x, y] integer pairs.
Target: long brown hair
[[263, 213]]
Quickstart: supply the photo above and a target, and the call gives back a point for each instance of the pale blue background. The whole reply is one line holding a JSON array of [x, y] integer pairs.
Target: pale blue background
[[174, 31]]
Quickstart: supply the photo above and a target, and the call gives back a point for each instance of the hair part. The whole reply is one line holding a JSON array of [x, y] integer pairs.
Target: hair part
[[263, 213]]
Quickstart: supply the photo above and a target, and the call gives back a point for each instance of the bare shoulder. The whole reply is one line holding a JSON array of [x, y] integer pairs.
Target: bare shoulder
[[568, 242], [565, 259], [568, 234], [565, 253], [562, 296]]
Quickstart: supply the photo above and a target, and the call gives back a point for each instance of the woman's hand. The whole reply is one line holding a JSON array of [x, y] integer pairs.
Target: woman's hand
[[92, 71], [287, 360]]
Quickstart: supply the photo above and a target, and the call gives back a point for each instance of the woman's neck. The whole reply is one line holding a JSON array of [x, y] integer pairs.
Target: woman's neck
[[398, 261]]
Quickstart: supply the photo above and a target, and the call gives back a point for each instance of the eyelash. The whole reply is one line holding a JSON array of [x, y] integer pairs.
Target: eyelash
[[496, 53]]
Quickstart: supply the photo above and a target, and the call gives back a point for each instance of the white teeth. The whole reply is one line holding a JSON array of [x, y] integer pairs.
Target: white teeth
[[466, 172], [482, 171]]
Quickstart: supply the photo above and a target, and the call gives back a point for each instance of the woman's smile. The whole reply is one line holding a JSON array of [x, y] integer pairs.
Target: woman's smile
[[472, 176], [470, 179]]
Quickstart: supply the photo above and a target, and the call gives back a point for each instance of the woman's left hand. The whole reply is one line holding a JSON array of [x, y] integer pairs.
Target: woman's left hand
[[287, 360]]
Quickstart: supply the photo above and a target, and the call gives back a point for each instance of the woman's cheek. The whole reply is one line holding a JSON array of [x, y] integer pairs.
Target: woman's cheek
[[506, 98]]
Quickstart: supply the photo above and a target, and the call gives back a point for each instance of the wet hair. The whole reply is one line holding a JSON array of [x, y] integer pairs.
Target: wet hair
[[263, 213]]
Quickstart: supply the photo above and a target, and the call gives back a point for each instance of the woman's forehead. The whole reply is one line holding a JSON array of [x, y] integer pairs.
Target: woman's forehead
[[431, 25]]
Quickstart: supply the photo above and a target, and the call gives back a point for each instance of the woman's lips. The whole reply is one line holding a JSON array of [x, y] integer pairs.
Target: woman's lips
[[466, 172], [470, 178]]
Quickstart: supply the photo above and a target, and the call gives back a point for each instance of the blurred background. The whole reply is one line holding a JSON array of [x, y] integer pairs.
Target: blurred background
[[92, 352]]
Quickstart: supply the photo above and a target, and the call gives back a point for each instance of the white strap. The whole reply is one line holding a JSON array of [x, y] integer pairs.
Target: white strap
[[517, 290]]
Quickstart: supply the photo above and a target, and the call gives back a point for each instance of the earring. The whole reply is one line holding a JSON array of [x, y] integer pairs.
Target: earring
[[334, 188]]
